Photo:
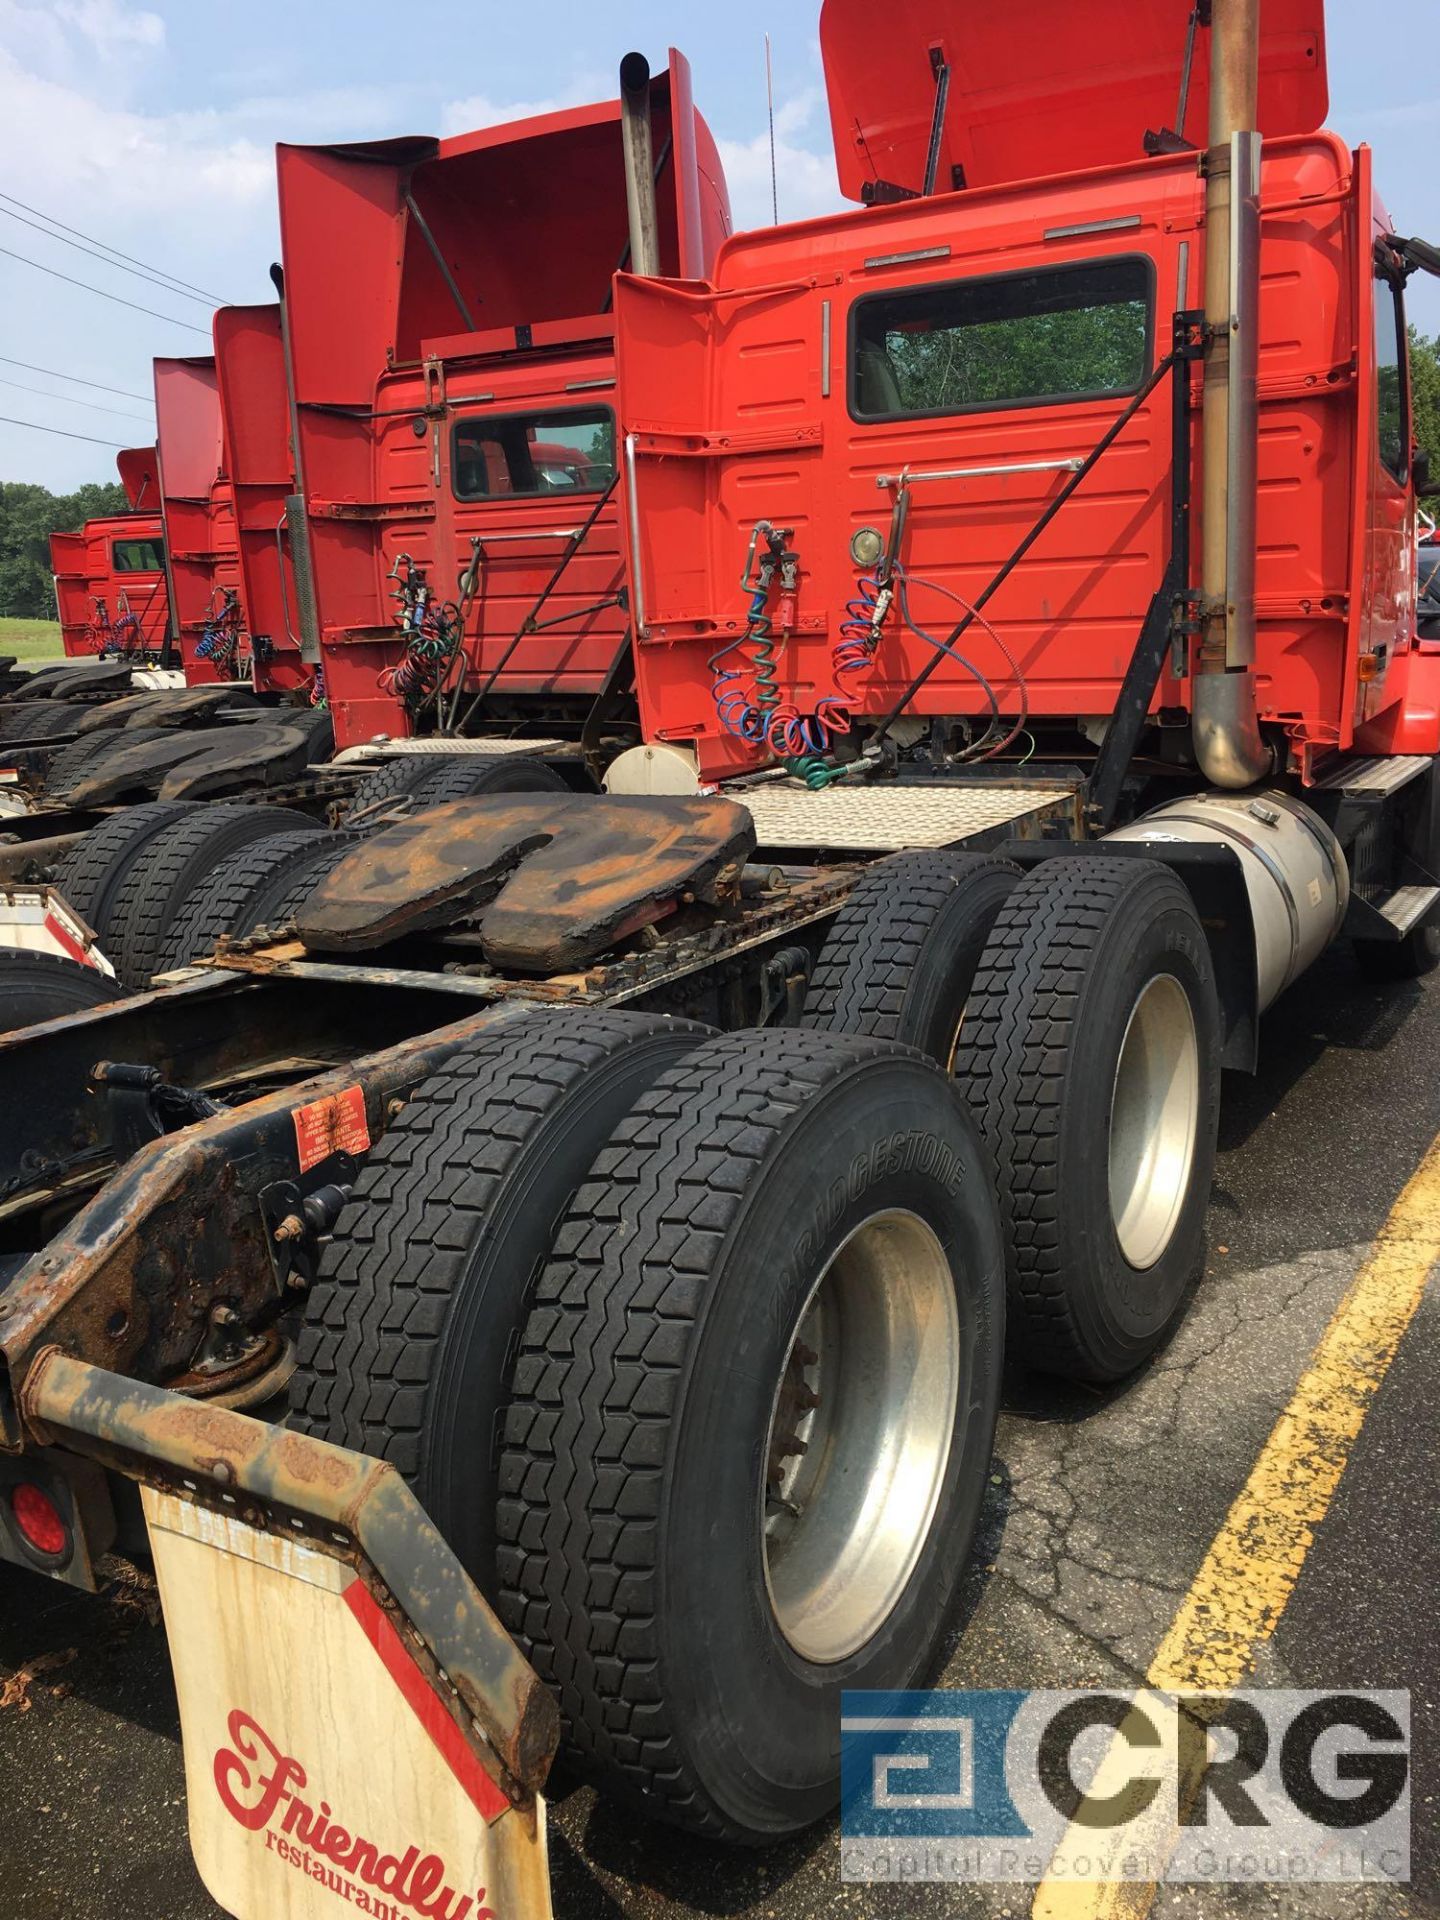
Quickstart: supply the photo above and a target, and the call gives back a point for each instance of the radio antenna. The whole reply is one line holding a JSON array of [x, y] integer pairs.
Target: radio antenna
[[770, 110]]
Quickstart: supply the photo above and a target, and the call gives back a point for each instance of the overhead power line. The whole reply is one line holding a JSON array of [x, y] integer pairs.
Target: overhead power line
[[184, 286], [54, 373], [25, 260], [94, 253], [74, 400], [35, 427]]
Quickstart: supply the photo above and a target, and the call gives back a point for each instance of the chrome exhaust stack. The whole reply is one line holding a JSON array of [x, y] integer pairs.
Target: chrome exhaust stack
[[639, 165], [1226, 729]]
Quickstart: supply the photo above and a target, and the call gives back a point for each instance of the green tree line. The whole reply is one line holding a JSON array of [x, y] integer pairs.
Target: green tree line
[[28, 516], [1425, 400]]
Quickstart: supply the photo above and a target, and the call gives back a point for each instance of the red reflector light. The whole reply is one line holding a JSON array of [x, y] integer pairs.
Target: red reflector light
[[39, 1519]]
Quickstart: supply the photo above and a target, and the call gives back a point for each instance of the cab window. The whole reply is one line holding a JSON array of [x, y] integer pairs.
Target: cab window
[[1005, 340], [1391, 380], [516, 454], [136, 556]]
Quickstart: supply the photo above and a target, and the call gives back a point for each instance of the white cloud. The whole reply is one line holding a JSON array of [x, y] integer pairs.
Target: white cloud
[[479, 110], [805, 178], [106, 24], [1412, 113], [66, 143]]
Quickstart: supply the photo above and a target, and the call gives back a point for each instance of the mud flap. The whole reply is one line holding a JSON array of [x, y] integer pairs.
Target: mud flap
[[40, 920], [360, 1734]]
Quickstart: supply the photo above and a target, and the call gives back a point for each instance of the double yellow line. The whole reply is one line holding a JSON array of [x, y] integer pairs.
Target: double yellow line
[[1236, 1599]]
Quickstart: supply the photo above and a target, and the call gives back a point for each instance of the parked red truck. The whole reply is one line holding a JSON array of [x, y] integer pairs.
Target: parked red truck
[[198, 502], [451, 354], [110, 586], [255, 408]]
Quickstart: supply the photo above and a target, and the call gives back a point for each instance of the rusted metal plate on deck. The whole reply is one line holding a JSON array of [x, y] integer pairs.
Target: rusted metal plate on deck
[[236, 758], [559, 877], [143, 767], [133, 769], [74, 679], [191, 707]]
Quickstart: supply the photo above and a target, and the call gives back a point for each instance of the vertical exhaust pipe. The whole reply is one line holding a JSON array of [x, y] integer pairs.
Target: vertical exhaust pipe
[[639, 164], [1227, 739]]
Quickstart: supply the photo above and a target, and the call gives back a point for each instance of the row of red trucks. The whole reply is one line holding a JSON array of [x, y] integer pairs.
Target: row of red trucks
[[412, 269]]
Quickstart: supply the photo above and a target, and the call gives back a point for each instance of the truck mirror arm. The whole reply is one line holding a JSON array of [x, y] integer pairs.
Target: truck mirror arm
[[1413, 255]]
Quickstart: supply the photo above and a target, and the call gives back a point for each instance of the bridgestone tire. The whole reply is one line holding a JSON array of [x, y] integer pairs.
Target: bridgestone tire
[[79, 756], [900, 957], [235, 897], [634, 1567], [277, 907], [458, 779], [42, 986], [92, 873], [316, 723], [179, 859], [411, 1328], [1072, 949], [392, 780], [39, 720]]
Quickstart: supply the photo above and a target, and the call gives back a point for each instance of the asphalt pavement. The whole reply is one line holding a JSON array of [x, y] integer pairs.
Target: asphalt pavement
[[1101, 1508]]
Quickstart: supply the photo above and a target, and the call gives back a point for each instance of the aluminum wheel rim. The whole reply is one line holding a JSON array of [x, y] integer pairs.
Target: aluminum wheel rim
[[1154, 1120], [861, 1424]]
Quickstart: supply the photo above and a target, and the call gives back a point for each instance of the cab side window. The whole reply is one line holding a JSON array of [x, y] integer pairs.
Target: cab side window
[[1003, 340], [136, 556], [505, 455], [1391, 380]]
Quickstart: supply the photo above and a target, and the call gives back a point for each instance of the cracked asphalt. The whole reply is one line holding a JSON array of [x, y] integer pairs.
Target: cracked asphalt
[[1101, 1508]]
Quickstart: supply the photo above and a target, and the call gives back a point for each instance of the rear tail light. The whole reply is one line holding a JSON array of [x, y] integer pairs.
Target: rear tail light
[[38, 1520]]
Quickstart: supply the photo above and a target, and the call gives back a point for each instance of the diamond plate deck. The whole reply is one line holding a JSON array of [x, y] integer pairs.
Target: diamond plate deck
[[886, 819], [1407, 907], [1374, 776], [393, 749]]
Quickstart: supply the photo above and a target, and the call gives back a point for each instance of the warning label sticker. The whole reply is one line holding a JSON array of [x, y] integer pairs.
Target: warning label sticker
[[335, 1124]]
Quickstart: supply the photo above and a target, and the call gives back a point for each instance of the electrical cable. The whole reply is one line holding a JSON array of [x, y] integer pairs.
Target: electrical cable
[[949, 649], [86, 287], [182, 286], [54, 373], [35, 427], [119, 265], [936, 586], [74, 400]]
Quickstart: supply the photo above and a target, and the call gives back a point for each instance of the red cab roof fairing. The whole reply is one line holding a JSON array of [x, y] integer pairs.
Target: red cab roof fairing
[[1040, 87]]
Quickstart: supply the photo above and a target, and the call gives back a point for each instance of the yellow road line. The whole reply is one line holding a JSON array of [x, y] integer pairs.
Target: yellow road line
[[1236, 1599]]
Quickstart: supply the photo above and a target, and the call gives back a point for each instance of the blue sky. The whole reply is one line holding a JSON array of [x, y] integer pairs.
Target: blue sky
[[152, 127]]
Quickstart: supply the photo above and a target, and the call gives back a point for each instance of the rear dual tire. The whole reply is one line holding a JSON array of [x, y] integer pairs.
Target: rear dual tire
[[43, 986], [571, 1300], [1077, 1008], [412, 1326], [900, 956], [1090, 1056], [697, 1632]]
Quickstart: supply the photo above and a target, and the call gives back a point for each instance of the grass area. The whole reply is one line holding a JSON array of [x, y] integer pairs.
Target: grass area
[[33, 642]]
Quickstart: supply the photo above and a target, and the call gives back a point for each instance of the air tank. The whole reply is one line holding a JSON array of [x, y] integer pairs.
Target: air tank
[[1295, 871]]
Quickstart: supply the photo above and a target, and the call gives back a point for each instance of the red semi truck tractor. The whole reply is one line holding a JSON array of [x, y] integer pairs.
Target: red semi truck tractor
[[451, 357], [110, 586], [1083, 452], [198, 502], [255, 408]]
